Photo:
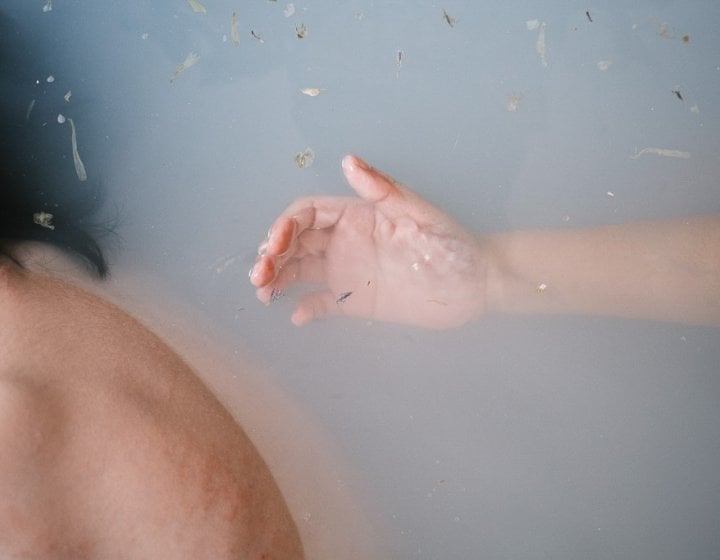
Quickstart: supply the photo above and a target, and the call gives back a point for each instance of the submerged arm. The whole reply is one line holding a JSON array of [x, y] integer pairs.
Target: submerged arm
[[665, 270]]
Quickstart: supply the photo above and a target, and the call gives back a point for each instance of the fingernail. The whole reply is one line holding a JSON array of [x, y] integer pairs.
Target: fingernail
[[262, 249], [350, 162]]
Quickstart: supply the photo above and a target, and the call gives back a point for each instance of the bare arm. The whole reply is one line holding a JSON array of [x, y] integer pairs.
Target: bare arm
[[390, 255], [664, 270]]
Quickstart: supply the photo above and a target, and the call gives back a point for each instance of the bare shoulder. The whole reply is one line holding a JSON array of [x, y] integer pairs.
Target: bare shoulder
[[112, 446]]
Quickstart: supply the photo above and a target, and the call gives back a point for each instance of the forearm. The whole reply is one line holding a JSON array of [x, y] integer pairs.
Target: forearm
[[664, 270]]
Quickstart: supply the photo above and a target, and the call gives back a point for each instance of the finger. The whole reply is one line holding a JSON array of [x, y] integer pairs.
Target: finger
[[305, 249], [318, 212], [310, 270], [315, 306], [391, 198]]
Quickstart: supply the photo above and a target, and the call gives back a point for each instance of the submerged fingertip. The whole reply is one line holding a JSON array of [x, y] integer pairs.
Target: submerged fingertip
[[352, 162]]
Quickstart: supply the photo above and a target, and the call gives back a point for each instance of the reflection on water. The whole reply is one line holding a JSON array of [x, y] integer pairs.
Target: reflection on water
[[530, 437]]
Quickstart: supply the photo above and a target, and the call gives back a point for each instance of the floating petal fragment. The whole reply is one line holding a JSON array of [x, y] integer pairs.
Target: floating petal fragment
[[514, 102], [662, 152], [197, 7], [66, 97], [540, 45], [451, 21], [50, 79], [60, 118], [540, 288], [301, 30], [289, 10], [190, 59], [305, 158], [29, 109], [342, 297], [664, 29], [43, 219], [234, 32], [604, 64], [79, 167], [311, 91], [48, 6], [532, 24]]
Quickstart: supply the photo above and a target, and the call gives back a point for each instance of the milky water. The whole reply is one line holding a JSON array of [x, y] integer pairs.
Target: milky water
[[508, 438]]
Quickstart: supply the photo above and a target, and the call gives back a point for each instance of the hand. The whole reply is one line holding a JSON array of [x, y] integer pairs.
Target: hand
[[388, 255]]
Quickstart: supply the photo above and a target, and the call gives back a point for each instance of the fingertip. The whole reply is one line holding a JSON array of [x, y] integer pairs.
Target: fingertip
[[262, 272], [299, 317], [352, 162], [367, 182]]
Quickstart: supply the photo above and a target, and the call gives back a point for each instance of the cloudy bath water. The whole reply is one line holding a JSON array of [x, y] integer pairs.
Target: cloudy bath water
[[509, 437]]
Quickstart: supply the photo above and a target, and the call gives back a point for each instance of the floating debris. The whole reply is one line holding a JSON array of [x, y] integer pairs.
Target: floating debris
[[451, 21], [29, 109], [342, 297], [256, 37], [66, 97], [610, 194], [48, 6], [662, 152], [695, 109], [532, 24], [399, 63], [540, 45], [234, 31], [289, 10], [301, 30], [50, 79], [305, 158], [604, 64], [514, 102], [144, 36], [197, 7], [540, 288], [61, 118], [587, 13], [664, 29], [311, 91], [43, 219], [190, 59], [685, 39], [79, 167], [678, 94], [276, 294]]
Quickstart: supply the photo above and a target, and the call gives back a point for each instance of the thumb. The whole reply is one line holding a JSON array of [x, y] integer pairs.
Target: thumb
[[368, 183], [377, 188]]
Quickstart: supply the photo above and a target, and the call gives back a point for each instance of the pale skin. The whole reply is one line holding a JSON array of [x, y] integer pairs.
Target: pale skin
[[112, 447], [406, 261]]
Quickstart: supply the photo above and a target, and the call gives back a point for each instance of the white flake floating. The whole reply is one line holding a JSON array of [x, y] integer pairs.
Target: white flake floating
[[662, 152], [540, 45], [79, 167]]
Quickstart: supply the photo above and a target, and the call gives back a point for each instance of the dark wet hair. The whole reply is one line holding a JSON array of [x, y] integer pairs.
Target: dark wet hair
[[41, 196]]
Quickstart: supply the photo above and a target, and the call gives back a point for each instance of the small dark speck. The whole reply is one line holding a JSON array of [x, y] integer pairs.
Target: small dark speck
[[678, 94], [343, 297], [587, 13], [686, 39]]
